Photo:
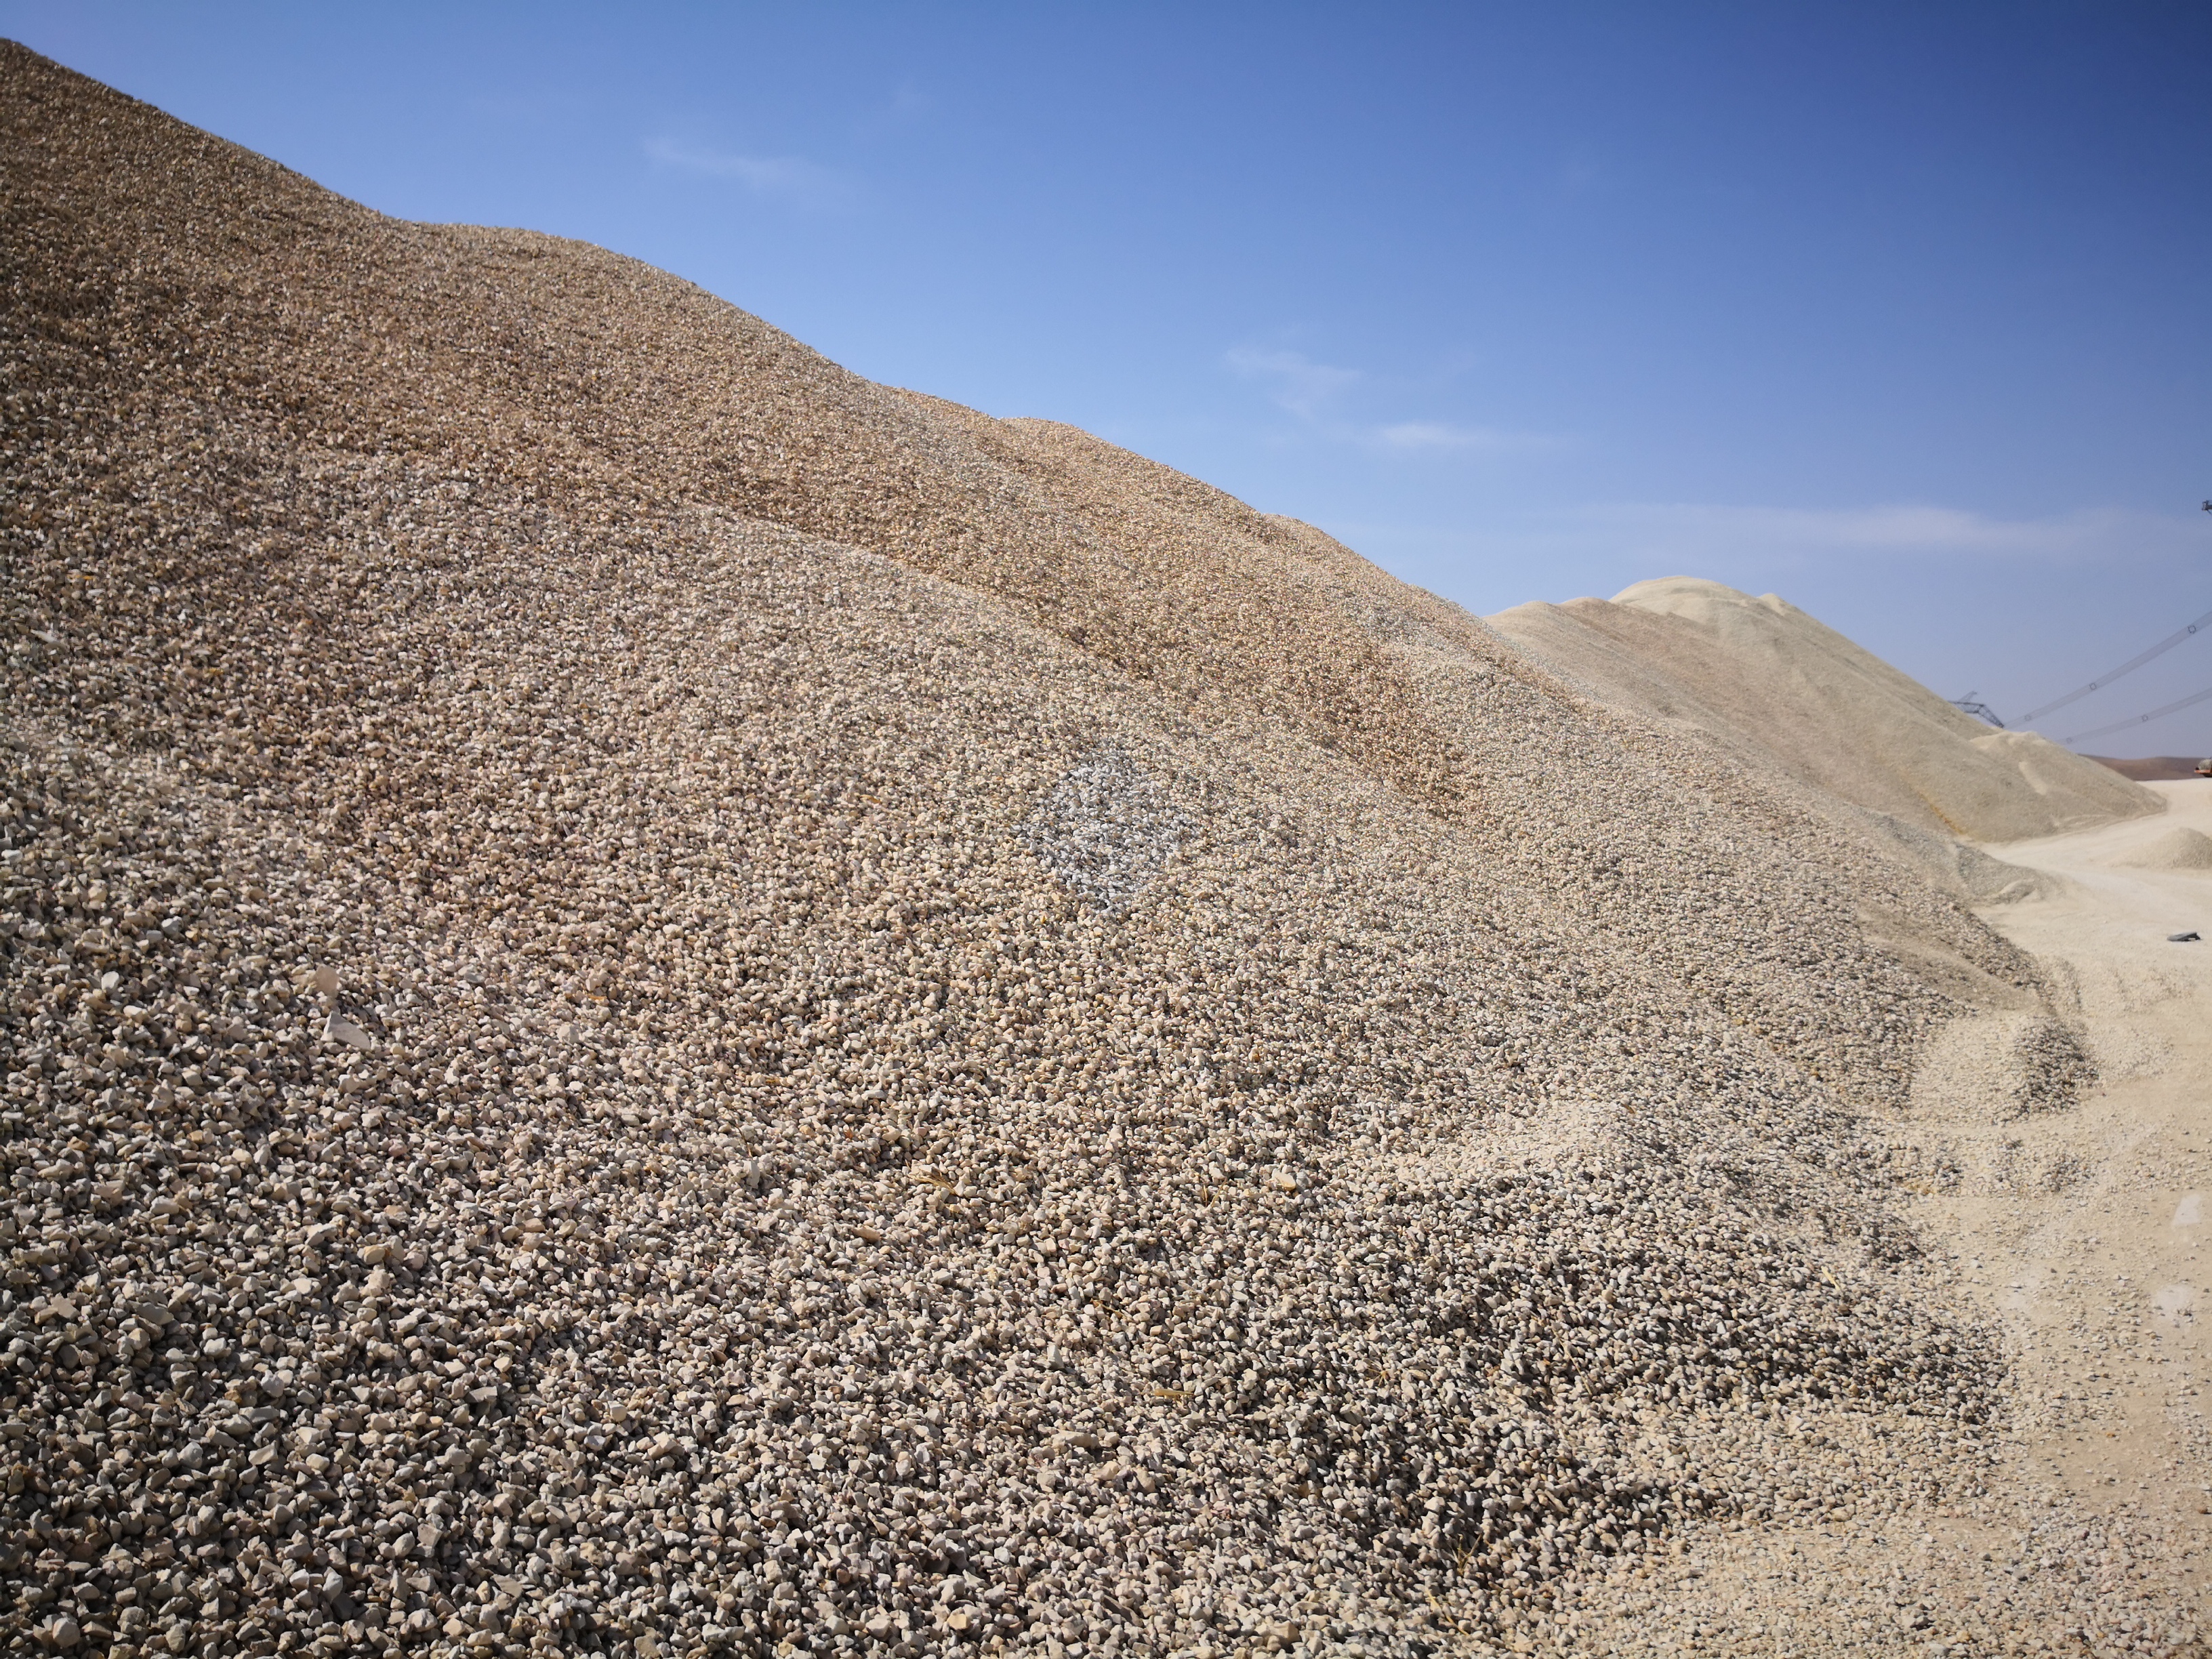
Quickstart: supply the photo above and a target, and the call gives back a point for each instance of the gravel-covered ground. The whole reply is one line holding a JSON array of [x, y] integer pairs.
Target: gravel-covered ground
[[656, 1000]]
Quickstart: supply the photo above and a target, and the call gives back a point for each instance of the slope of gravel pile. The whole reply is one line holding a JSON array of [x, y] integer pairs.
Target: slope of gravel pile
[[655, 1000], [1764, 680]]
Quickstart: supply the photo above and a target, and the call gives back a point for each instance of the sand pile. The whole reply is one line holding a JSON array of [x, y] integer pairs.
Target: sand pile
[[654, 998], [2153, 768], [1773, 686], [2179, 848]]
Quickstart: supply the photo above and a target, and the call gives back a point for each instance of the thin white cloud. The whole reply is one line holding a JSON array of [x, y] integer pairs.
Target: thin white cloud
[[1438, 436], [1309, 391], [787, 176], [1691, 528], [1302, 386]]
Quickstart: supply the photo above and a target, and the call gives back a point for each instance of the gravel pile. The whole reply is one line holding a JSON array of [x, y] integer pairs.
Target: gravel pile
[[1759, 678], [657, 1001]]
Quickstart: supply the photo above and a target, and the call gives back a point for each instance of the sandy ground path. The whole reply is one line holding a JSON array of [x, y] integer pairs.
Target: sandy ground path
[[2079, 1234], [2083, 1231]]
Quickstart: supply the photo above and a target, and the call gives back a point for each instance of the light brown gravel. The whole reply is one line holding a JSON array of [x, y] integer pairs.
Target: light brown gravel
[[577, 1081]]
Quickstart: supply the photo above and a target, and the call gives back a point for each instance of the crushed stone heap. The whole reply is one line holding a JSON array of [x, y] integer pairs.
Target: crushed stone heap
[[658, 1000], [1776, 688]]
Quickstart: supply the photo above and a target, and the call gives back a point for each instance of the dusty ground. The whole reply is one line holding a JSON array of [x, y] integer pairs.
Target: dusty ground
[[2089, 1225], [2079, 1234]]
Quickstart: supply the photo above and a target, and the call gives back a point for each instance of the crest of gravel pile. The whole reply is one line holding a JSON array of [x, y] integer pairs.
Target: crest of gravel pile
[[1770, 684], [656, 1000]]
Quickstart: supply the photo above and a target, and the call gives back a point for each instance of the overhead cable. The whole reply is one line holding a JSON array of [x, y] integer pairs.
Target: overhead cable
[[2127, 667], [2201, 697]]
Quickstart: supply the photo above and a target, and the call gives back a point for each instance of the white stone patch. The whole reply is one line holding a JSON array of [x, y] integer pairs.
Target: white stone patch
[[1105, 830]]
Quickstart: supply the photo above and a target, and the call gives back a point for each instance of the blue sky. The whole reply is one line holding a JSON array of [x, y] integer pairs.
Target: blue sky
[[1897, 310]]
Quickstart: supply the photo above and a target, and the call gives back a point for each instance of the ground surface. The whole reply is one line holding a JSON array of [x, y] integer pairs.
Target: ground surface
[[2096, 1264], [2080, 1235]]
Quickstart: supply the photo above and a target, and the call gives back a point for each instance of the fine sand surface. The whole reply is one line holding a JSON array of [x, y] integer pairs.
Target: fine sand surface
[[2091, 1228], [658, 1001], [1778, 688], [2081, 1235]]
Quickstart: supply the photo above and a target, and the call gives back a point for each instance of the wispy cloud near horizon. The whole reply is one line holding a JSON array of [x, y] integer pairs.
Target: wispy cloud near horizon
[[1302, 386], [1758, 548], [787, 176], [1442, 437], [1309, 390], [1908, 529]]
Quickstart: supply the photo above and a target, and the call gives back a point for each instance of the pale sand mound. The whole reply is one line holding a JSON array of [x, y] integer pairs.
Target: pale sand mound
[[945, 1038], [2153, 768], [2179, 848], [1772, 685]]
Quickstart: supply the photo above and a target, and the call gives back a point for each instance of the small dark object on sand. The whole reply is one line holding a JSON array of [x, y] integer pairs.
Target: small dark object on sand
[[2181, 939]]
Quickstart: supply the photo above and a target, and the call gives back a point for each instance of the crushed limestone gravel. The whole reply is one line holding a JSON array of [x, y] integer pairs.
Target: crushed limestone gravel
[[655, 1000]]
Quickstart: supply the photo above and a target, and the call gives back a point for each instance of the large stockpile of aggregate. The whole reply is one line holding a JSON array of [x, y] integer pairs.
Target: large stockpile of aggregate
[[1771, 684], [656, 1000]]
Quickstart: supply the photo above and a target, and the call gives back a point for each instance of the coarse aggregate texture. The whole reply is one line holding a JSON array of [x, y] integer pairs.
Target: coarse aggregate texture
[[658, 1000], [2005, 1066], [1768, 682], [1105, 830]]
